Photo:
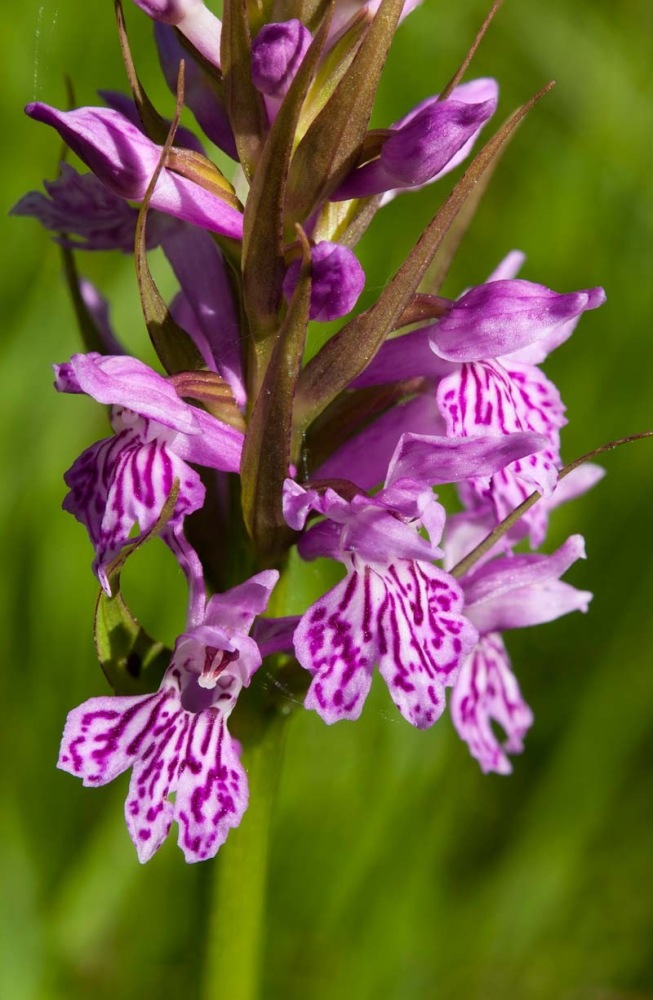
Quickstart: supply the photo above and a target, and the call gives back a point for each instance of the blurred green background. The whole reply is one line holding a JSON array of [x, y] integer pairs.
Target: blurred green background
[[397, 869]]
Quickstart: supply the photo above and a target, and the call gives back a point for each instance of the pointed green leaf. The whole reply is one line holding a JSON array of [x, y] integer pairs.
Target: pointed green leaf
[[332, 144], [154, 125], [267, 452], [263, 264], [87, 327], [331, 70], [132, 661], [347, 353], [244, 104]]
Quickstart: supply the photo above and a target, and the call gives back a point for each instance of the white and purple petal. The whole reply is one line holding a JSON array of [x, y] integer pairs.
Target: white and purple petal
[[487, 691], [212, 790], [405, 617]]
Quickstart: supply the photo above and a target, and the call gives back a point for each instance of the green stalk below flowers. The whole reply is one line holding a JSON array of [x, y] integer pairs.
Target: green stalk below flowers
[[236, 928]]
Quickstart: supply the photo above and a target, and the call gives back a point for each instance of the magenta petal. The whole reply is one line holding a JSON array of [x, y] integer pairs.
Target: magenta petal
[[364, 458], [436, 460], [125, 160], [125, 381], [522, 590], [203, 276], [81, 206], [277, 53], [487, 691], [212, 791], [406, 357], [501, 317], [336, 282], [236, 609]]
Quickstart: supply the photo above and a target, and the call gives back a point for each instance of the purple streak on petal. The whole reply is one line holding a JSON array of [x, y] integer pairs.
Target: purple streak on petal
[[337, 281], [212, 791], [436, 460], [104, 736], [405, 357], [335, 641], [124, 104], [202, 274], [486, 692], [277, 53], [123, 481], [125, 160], [81, 206], [200, 94], [522, 590], [364, 458], [423, 639], [483, 397], [501, 317]]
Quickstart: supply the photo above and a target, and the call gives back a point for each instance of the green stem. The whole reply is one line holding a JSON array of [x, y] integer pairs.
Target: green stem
[[237, 912]]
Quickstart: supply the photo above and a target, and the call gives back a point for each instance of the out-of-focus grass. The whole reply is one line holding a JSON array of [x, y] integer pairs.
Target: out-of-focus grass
[[398, 870]]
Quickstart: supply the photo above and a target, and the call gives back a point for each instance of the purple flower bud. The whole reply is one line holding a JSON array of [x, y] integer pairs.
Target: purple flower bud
[[200, 26], [277, 52], [420, 149], [338, 280], [495, 319], [125, 159], [433, 139]]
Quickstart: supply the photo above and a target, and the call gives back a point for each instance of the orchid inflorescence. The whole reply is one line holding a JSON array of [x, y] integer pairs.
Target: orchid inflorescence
[[243, 451]]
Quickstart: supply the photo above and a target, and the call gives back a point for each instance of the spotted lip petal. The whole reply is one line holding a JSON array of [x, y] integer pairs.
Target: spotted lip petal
[[486, 397], [123, 481], [177, 740], [405, 616], [487, 691]]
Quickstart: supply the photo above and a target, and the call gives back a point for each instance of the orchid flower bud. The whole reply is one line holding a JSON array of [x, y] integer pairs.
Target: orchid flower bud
[[277, 52], [338, 280]]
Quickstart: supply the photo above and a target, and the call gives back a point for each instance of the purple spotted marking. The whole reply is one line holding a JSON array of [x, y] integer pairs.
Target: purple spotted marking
[[487, 692]]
